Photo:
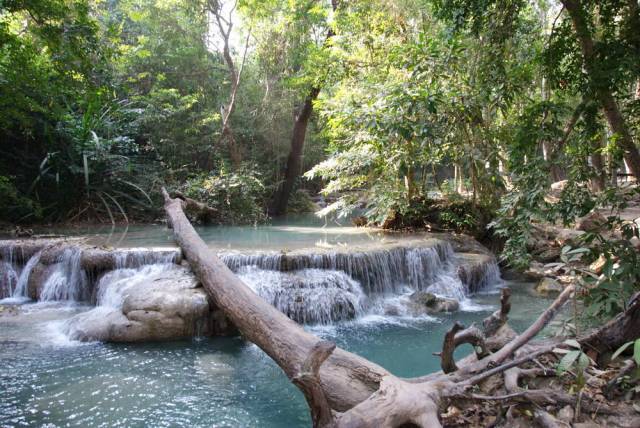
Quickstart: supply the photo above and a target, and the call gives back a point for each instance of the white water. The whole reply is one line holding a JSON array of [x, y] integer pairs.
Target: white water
[[113, 286], [311, 288], [21, 290], [309, 296], [68, 281]]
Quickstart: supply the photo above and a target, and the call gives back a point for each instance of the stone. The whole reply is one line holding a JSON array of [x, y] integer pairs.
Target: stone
[[535, 272], [476, 270], [422, 302], [592, 222], [548, 286], [566, 414], [423, 298], [166, 305]]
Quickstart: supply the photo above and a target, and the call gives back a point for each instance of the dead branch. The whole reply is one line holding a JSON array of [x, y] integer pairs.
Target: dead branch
[[625, 327], [202, 212], [545, 420], [545, 397], [308, 380]]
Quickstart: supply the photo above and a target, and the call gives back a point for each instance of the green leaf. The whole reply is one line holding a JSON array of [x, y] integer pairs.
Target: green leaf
[[573, 343], [583, 361], [620, 350], [567, 361], [636, 352]]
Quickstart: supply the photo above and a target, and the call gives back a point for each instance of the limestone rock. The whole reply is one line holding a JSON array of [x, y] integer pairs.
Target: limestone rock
[[477, 271], [566, 414], [165, 305], [548, 286], [429, 303]]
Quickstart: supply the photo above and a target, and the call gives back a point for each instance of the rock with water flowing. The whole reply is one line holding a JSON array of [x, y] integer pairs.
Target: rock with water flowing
[[308, 296], [155, 302], [8, 279], [142, 294], [423, 302]]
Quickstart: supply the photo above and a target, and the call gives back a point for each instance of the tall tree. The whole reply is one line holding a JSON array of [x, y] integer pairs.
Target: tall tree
[[224, 23], [301, 122], [601, 84]]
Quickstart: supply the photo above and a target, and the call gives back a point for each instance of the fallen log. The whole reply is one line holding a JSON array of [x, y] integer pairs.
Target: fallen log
[[345, 390], [202, 212]]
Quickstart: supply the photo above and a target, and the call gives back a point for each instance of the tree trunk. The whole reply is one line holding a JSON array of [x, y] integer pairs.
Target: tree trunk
[[294, 161], [347, 378], [345, 390], [612, 112], [225, 25], [598, 181]]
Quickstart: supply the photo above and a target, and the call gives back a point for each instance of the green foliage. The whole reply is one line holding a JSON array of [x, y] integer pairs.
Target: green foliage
[[575, 361], [300, 203], [15, 207], [238, 197]]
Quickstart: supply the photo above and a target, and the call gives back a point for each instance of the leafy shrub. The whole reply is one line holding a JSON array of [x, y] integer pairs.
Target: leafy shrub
[[14, 206], [239, 197], [300, 202]]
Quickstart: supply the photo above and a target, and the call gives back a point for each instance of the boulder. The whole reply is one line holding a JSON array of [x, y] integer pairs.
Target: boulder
[[592, 222], [162, 305], [548, 286], [476, 271], [423, 302]]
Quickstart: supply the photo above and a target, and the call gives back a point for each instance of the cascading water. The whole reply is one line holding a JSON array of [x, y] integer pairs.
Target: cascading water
[[308, 296], [137, 257], [68, 281], [332, 286], [21, 290], [379, 271], [310, 287], [112, 287]]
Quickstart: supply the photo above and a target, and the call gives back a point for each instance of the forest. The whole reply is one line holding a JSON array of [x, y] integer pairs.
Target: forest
[[507, 130]]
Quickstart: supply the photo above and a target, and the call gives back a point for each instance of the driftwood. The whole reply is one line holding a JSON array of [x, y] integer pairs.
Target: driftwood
[[345, 390]]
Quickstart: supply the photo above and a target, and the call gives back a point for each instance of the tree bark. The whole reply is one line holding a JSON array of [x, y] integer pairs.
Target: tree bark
[[612, 112], [294, 160], [346, 378]]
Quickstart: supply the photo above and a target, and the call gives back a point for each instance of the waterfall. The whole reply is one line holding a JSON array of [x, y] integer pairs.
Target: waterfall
[[379, 271], [113, 286], [21, 290], [308, 296], [136, 257], [68, 281]]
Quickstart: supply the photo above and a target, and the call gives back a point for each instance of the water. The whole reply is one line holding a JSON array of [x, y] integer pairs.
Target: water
[[284, 234], [68, 281], [348, 285], [221, 382]]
